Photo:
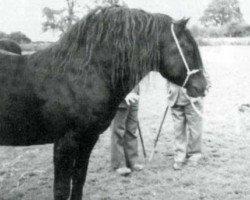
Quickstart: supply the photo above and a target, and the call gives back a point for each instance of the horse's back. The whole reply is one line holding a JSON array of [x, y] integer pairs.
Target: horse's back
[[10, 64], [21, 119], [11, 46]]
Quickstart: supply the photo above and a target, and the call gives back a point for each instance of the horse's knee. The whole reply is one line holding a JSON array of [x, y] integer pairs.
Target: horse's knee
[[65, 152], [61, 193], [81, 166], [66, 146]]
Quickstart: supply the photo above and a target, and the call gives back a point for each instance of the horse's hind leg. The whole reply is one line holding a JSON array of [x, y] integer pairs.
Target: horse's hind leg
[[64, 155], [81, 166]]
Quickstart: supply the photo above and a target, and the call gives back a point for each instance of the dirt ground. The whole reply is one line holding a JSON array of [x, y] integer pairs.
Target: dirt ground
[[27, 173]]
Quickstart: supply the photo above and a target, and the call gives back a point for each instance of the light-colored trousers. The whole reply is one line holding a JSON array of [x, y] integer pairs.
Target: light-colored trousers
[[188, 127], [124, 144]]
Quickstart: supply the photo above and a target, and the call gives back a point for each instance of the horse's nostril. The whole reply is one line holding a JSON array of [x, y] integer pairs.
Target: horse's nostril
[[201, 93]]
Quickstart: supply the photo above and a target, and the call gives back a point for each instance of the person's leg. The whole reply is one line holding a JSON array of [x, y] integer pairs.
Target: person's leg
[[130, 138], [180, 142], [195, 128], [117, 139]]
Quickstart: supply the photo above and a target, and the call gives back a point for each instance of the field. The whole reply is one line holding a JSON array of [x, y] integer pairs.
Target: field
[[26, 173]]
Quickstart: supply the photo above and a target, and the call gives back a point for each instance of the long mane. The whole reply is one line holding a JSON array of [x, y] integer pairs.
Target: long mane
[[127, 37]]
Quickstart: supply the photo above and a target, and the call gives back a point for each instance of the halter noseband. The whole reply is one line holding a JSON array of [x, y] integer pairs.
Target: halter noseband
[[189, 72]]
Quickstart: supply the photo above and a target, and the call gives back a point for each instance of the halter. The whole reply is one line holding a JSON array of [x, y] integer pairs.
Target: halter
[[189, 72]]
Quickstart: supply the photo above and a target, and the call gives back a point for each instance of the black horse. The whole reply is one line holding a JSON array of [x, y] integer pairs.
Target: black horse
[[10, 45], [68, 93]]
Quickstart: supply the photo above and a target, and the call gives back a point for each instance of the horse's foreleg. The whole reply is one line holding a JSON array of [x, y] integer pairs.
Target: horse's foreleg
[[64, 155], [81, 166]]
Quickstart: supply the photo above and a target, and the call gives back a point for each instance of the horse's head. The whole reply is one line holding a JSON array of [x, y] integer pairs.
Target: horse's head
[[180, 59]]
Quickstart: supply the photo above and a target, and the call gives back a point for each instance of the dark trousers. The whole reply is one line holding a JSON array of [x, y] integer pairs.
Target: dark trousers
[[124, 145]]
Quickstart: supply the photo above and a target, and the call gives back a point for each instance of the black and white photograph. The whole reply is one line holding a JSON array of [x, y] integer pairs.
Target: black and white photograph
[[124, 100]]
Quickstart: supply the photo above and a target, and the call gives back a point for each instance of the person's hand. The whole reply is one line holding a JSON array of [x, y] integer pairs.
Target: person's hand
[[131, 98]]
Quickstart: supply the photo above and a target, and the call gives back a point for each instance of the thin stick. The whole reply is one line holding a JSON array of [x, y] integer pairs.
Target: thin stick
[[142, 142], [158, 134]]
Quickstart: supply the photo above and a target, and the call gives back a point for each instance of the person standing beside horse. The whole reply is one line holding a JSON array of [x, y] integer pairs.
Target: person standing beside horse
[[188, 125], [124, 144]]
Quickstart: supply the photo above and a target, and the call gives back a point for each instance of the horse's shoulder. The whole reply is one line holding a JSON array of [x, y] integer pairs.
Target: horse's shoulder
[[11, 59]]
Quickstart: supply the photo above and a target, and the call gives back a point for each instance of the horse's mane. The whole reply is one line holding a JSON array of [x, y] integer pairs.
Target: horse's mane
[[129, 37]]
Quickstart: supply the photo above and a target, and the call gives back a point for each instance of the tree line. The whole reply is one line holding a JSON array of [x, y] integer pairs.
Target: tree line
[[222, 18], [18, 37]]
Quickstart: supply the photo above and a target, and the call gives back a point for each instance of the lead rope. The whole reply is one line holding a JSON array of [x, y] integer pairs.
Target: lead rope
[[192, 104], [189, 72]]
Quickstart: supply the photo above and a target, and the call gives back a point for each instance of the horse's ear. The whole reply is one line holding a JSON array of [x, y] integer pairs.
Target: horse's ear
[[182, 23]]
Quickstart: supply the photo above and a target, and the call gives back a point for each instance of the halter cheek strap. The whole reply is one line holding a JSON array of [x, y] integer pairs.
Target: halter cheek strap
[[189, 72]]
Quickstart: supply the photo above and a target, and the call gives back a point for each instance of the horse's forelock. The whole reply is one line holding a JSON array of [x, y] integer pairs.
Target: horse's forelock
[[197, 56]]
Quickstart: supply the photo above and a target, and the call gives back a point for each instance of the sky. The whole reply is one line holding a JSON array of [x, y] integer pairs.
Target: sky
[[26, 15]]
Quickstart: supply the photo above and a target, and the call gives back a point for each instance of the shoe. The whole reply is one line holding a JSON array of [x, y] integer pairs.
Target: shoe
[[137, 167], [123, 171], [193, 163], [194, 160], [178, 166]]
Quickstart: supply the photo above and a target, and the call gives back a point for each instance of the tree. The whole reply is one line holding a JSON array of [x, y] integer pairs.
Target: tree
[[109, 2], [18, 37], [60, 20], [222, 12], [3, 35]]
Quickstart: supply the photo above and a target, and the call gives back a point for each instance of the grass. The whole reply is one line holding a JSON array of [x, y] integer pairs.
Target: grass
[[26, 173], [224, 41], [34, 46], [220, 41]]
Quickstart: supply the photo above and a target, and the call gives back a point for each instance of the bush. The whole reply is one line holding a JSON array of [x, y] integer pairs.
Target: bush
[[3, 35], [238, 30], [229, 30], [235, 30], [196, 31], [208, 32], [216, 32], [19, 37]]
